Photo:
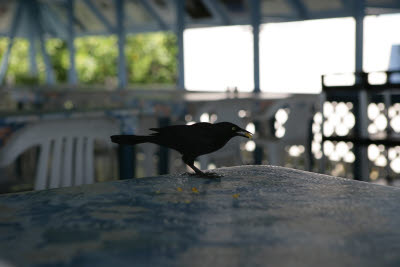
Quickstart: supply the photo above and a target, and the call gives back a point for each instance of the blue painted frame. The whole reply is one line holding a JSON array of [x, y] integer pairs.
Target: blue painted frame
[[34, 10], [11, 35], [33, 70], [154, 14], [122, 80], [72, 77], [299, 7], [359, 17], [255, 23], [61, 31], [180, 27], [99, 16], [218, 11]]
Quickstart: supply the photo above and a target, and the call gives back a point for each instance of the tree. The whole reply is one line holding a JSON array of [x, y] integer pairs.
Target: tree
[[151, 58]]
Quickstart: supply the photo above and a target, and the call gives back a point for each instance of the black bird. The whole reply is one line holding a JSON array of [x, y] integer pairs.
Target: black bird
[[189, 140]]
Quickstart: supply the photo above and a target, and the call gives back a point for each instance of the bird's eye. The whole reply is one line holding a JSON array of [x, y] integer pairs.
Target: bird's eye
[[233, 128]]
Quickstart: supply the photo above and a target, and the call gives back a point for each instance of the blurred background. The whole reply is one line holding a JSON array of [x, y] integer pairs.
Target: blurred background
[[316, 81]]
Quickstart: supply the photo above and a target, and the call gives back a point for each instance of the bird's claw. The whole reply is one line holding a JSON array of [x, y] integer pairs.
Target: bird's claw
[[210, 175], [203, 174]]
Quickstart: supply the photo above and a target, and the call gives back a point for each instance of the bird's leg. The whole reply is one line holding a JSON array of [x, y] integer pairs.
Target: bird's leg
[[190, 163]]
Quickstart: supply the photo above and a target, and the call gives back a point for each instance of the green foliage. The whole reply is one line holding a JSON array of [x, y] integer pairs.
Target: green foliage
[[150, 59], [18, 63], [58, 52], [96, 59]]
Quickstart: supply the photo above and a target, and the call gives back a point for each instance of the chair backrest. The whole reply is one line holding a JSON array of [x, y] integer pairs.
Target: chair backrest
[[66, 149]]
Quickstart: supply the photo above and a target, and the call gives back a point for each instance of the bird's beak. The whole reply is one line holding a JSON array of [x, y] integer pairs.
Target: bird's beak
[[245, 133]]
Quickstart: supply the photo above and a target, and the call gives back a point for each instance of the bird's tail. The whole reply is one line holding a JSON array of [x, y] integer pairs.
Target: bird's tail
[[131, 139]]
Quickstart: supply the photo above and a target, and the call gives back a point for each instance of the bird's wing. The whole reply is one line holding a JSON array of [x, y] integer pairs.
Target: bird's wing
[[202, 125], [203, 129], [205, 132], [177, 128], [170, 130], [206, 139], [160, 130]]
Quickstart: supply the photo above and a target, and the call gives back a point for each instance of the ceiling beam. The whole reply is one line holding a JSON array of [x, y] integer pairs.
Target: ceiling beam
[[300, 8], [57, 19], [36, 19], [395, 5], [150, 9], [99, 15], [12, 33], [218, 11], [347, 5], [60, 27]]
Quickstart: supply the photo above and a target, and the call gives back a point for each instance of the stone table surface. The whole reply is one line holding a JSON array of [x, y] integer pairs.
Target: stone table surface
[[252, 216]]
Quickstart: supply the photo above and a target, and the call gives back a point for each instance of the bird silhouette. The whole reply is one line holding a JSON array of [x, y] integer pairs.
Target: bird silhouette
[[189, 140]]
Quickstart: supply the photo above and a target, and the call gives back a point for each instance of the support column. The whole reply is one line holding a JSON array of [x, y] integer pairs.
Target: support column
[[127, 162], [72, 78], [127, 153], [180, 26], [122, 81], [361, 168], [11, 35], [50, 79], [33, 70], [255, 23], [359, 15], [35, 18]]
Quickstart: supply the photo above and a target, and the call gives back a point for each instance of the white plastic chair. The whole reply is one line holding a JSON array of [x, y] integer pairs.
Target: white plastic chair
[[297, 128], [66, 149]]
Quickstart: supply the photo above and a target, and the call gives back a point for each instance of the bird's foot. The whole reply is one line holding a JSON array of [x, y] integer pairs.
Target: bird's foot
[[210, 175], [189, 174], [203, 174]]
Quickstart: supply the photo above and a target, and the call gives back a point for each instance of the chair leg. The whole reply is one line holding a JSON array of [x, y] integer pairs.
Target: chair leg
[[55, 174], [41, 172], [89, 166]]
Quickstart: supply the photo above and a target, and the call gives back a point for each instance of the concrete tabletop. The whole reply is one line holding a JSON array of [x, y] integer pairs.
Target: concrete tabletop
[[252, 216]]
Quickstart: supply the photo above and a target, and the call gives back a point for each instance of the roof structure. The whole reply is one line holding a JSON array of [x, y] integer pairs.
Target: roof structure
[[99, 17], [67, 19]]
